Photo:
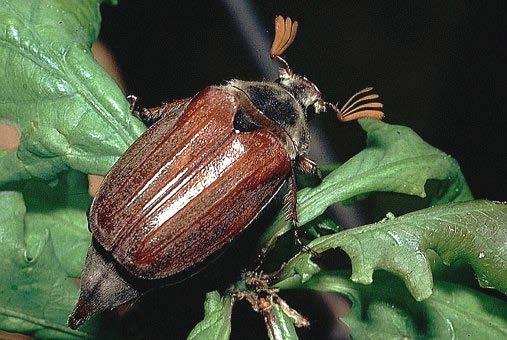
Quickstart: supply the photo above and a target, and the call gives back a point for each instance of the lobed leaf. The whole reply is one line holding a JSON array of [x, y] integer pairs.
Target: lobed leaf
[[217, 319], [475, 232], [36, 292], [396, 159], [69, 112], [62, 211], [385, 310]]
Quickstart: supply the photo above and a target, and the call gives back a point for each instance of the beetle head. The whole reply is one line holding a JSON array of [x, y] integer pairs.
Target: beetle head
[[305, 92]]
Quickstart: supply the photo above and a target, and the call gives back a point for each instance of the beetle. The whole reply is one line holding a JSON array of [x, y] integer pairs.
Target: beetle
[[200, 175]]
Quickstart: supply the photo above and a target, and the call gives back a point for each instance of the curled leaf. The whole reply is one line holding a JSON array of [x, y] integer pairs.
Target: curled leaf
[[37, 293], [70, 113], [475, 232], [385, 310]]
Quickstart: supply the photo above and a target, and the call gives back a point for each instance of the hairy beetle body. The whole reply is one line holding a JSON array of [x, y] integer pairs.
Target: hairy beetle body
[[199, 176]]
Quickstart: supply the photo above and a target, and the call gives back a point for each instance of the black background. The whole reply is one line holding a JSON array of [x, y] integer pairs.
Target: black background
[[439, 66]]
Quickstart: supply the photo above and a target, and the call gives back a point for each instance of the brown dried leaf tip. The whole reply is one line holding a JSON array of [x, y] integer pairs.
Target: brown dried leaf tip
[[285, 32]]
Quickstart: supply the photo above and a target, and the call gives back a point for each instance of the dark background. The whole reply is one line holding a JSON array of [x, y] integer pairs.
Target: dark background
[[439, 66]]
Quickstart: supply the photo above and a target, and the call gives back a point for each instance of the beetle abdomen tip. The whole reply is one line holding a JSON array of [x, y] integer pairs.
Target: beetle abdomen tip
[[79, 315]]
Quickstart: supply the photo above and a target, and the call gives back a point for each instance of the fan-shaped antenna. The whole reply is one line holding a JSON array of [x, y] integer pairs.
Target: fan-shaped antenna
[[363, 104], [285, 33]]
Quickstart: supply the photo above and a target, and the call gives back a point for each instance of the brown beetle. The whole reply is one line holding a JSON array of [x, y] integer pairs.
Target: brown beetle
[[199, 176]]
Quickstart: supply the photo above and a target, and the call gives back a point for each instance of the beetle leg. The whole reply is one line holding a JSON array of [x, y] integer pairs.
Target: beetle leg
[[308, 166], [291, 199], [170, 111], [298, 319], [292, 203], [293, 213]]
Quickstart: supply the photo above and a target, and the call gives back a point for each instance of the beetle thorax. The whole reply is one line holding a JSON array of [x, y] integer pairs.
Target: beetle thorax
[[280, 105]]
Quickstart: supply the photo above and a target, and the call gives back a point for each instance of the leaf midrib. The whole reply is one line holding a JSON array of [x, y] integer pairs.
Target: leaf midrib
[[400, 220], [376, 169]]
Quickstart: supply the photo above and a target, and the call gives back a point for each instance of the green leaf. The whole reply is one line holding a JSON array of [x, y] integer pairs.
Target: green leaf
[[396, 160], [475, 232], [216, 324], [299, 269], [385, 310], [280, 326], [62, 211], [11, 169], [70, 113], [36, 293], [322, 225]]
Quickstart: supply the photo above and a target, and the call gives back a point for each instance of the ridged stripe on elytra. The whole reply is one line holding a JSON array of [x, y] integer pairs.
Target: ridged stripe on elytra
[[229, 174], [210, 231], [108, 225], [190, 169]]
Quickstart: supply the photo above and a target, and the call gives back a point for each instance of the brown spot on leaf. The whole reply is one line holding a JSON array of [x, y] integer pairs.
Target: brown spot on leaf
[[9, 137], [14, 336], [94, 182]]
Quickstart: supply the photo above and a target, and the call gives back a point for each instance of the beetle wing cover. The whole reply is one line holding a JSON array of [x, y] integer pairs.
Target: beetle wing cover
[[180, 193]]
